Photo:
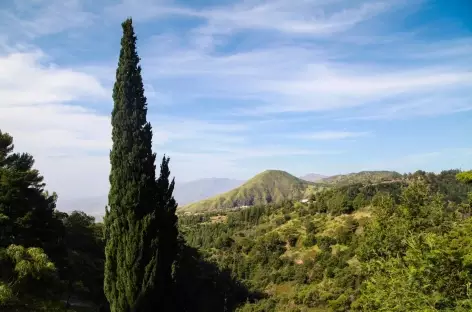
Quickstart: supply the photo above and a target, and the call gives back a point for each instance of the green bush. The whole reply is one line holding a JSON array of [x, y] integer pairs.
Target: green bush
[[310, 240]]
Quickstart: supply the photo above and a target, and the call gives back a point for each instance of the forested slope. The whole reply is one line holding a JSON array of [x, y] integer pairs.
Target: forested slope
[[400, 246]]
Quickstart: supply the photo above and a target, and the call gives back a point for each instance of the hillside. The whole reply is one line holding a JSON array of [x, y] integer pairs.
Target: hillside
[[267, 187], [362, 177], [347, 250]]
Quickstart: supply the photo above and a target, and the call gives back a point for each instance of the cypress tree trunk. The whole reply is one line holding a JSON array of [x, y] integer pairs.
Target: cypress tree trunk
[[132, 223]]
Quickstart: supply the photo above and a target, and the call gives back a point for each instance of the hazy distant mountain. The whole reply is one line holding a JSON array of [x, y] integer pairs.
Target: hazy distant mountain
[[189, 192], [266, 187], [313, 177], [94, 206], [184, 193]]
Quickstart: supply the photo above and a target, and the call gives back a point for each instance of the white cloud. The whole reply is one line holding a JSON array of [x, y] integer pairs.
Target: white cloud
[[287, 17], [146, 9], [284, 75], [49, 129], [336, 69], [34, 97], [442, 104], [332, 135], [39, 109], [302, 17], [301, 78], [25, 81], [371, 83], [196, 134], [43, 17]]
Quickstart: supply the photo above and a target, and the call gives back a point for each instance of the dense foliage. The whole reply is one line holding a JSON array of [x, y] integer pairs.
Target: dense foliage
[[398, 246]]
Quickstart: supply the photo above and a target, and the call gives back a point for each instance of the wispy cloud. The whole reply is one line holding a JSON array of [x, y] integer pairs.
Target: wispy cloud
[[332, 135], [442, 104], [303, 17], [32, 19], [306, 78], [288, 75], [227, 84]]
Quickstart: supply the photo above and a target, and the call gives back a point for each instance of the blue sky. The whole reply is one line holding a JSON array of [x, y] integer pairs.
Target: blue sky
[[237, 87]]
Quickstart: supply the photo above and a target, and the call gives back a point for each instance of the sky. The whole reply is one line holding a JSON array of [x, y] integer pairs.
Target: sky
[[238, 87]]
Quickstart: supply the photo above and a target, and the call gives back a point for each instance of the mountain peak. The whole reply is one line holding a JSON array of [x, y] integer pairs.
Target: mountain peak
[[266, 187]]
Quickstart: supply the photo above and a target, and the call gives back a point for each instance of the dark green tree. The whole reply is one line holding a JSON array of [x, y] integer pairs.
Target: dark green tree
[[86, 257], [27, 212], [168, 234], [132, 222]]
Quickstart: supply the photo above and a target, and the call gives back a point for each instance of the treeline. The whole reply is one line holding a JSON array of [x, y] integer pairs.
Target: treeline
[[346, 199]]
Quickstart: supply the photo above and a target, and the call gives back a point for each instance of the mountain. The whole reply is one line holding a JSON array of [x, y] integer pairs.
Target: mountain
[[362, 177], [94, 206], [189, 192], [266, 187], [313, 177]]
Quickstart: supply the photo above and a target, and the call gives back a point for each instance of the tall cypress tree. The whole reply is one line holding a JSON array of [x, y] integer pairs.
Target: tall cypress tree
[[132, 222]]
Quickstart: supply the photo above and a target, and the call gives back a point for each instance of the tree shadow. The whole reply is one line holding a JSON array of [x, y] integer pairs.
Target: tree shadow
[[202, 286]]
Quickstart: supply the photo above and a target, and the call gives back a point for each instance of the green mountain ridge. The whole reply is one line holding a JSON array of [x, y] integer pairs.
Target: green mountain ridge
[[266, 187], [363, 177], [274, 186]]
